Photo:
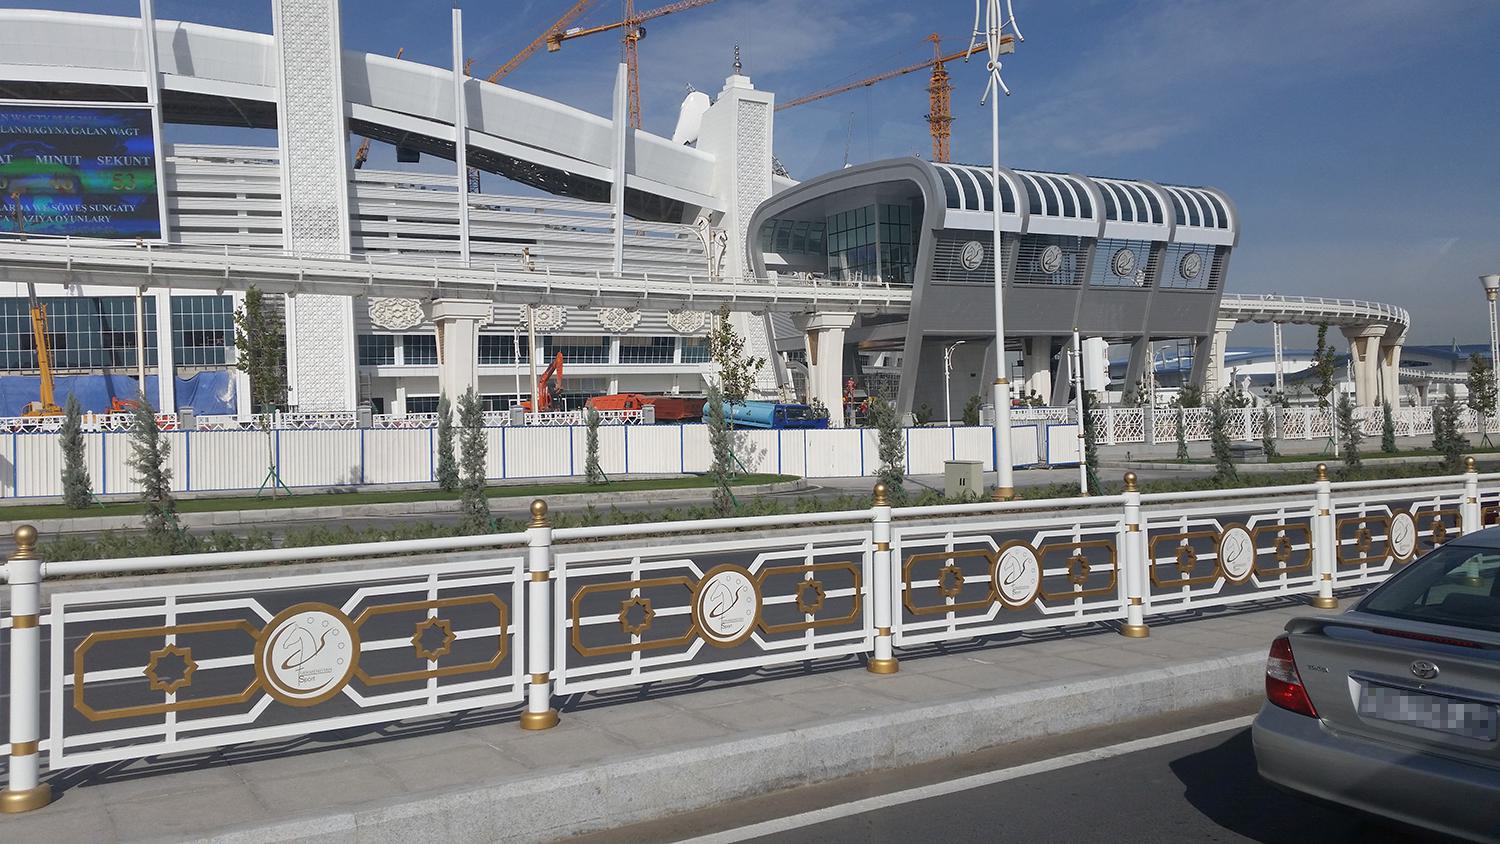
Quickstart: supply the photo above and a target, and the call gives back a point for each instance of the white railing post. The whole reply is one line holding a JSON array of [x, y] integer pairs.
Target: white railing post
[[1471, 520], [1325, 551], [884, 660], [1133, 540], [539, 714], [23, 571], [1110, 437]]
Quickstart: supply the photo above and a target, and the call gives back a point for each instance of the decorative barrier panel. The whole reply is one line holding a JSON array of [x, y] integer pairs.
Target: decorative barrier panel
[[142, 671]]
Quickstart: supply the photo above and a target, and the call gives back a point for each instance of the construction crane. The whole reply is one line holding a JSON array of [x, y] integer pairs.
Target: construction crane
[[634, 32], [558, 26], [939, 114]]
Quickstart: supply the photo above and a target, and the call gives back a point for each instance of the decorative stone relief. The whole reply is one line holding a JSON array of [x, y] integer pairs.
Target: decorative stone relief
[[687, 322], [619, 320], [396, 314], [548, 317]]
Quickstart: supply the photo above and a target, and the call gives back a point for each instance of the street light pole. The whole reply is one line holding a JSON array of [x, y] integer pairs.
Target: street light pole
[[996, 44], [947, 378]]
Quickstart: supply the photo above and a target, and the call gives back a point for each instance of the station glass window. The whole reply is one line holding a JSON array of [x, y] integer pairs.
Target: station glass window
[[695, 350], [852, 244], [582, 349], [95, 332], [202, 329], [419, 349], [647, 349], [377, 350], [500, 349], [421, 404]]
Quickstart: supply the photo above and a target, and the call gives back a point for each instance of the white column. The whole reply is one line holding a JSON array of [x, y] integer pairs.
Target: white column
[[737, 132], [1036, 366], [1390, 372], [621, 135], [1136, 564], [458, 322], [1214, 377], [825, 362], [314, 195], [166, 363], [1364, 343], [539, 714], [461, 133], [884, 659], [1277, 350], [1324, 540]]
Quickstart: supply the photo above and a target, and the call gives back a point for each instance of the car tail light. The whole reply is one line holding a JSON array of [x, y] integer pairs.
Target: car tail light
[[1283, 684]]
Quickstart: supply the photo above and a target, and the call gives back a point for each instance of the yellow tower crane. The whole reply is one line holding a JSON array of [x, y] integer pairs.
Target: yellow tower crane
[[939, 112]]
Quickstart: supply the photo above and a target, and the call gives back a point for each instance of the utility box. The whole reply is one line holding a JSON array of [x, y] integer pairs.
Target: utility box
[[364, 416], [986, 416], [963, 478], [517, 415], [186, 420], [648, 414]]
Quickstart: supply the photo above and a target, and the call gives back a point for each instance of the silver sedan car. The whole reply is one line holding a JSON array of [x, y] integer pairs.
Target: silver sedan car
[[1393, 708]]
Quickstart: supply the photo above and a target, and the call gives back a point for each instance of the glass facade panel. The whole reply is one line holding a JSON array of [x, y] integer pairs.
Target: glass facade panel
[[97, 332], [377, 350], [695, 350], [419, 349], [581, 349], [647, 349], [852, 244], [897, 247], [202, 330]]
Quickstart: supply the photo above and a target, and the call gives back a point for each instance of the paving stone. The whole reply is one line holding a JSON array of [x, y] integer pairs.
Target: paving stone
[[188, 813], [454, 767], [325, 789], [657, 732], [570, 744], [760, 714]]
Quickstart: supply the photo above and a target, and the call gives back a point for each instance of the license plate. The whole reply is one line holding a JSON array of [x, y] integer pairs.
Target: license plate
[[1432, 712]]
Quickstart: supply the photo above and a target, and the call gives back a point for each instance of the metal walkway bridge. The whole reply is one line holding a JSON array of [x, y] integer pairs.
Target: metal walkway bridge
[[1311, 310], [65, 261]]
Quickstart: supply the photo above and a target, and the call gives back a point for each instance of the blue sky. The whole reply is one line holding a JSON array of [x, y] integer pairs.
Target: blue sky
[[1358, 138]]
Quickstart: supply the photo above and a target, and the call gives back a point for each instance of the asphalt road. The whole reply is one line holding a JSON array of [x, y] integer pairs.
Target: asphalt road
[[1136, 782]]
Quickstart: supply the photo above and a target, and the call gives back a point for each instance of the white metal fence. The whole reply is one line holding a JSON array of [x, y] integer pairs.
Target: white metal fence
[[516, 619]]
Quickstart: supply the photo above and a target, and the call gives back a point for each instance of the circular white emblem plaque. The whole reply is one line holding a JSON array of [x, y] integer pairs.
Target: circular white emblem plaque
[[1403, 539], [306, 654], [1190, 265], [1052, 259], [1018, 574], [726, 606], [1236, 554], [1123, 263], [972, 255]]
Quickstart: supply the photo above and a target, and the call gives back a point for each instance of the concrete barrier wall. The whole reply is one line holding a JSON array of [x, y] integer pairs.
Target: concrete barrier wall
[[31, 463]]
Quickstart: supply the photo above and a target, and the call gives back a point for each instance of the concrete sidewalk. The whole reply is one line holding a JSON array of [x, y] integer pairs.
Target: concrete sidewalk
[[638, 754]]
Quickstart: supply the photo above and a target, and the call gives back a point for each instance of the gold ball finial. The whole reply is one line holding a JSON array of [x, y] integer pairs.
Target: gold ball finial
[[1322, 471], [1469, 465], [538, 513], [1130, 482], [881, 498], [25, 536]]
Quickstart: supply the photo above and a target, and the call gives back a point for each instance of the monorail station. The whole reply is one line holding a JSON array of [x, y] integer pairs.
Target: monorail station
[[870, 272], [1124, 261]]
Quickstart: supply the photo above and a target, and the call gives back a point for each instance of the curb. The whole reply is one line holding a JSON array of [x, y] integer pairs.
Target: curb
[[292, 515], [637, 789]]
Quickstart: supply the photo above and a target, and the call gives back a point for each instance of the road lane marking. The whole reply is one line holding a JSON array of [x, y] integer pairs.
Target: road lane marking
[[940, 789]]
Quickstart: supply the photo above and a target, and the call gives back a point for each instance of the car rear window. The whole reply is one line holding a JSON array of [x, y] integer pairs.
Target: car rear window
[[1453, 585]]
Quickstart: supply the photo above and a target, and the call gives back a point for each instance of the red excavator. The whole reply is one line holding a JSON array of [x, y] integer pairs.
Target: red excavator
[[668, 408], [554, 374]]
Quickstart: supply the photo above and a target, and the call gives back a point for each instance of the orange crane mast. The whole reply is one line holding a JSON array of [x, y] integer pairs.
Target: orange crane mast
[[634, 32], [939, 114]]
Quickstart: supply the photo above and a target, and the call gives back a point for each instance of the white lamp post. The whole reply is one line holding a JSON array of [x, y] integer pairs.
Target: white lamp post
[[1491, 284], [947, 378], [996, 44]]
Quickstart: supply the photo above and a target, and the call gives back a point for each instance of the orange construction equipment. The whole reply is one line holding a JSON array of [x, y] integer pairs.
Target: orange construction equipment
[[47, 404], [939, 113], [668, 408], [554, 374], [634, 32]]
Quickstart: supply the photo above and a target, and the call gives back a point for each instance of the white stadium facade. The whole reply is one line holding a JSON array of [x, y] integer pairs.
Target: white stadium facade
[[617, 243]]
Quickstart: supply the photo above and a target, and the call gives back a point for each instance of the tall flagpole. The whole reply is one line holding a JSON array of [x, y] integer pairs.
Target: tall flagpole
[[997, 43]]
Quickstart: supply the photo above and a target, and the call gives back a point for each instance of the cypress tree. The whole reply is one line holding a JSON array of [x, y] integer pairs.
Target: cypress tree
[[474, 507], [77, 487], [447, 466]]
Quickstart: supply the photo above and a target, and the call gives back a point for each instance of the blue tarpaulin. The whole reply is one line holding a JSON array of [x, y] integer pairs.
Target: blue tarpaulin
[[207, 393]]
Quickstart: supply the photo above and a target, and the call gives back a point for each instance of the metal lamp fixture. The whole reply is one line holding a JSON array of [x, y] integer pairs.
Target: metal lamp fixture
[[1491, 284]]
